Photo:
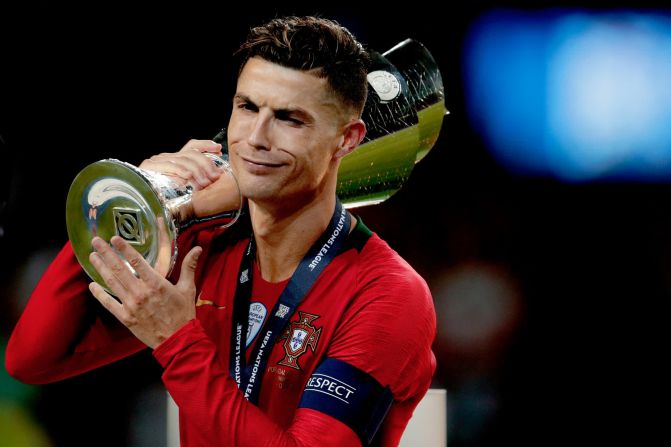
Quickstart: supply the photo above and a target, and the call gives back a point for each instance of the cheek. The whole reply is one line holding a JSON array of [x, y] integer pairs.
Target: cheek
[[233, 161], [234, 129], [315, 165]]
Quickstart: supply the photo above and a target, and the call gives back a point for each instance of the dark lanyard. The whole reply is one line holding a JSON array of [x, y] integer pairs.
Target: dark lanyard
[[322, 252]]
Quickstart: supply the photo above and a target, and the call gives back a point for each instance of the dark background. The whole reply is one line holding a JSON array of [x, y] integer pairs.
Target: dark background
[[589, 263]]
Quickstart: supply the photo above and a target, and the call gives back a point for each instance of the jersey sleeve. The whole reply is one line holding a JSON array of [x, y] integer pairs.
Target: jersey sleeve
[[209, 399], [387, 334], [64, 331]]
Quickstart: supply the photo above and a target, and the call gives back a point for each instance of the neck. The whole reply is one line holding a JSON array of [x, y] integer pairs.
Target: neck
[[284, 236]]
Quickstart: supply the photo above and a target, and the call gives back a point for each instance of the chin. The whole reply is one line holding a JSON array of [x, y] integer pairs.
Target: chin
[[259, 193]]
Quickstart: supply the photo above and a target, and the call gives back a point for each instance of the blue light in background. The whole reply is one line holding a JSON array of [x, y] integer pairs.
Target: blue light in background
[[571, 94]]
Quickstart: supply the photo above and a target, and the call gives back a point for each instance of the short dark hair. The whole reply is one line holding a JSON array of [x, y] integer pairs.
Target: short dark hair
[[313, 43]]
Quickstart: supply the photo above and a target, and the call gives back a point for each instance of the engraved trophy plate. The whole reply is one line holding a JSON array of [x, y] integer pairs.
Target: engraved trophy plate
[[128, 225], [112, 197]]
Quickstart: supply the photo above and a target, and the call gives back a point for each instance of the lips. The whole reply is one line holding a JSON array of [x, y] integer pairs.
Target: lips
[[262, 163], [260, 167]]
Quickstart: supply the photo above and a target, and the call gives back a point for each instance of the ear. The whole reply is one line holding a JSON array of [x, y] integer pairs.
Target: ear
[[352, 135]]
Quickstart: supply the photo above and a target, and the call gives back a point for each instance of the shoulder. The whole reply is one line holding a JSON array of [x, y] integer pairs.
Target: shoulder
[[383, 274], [391, 290], [390, 323]]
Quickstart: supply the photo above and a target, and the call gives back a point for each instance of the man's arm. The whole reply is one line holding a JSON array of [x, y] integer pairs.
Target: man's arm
[[387, 334], [217, 413], [63, 331], [162, 315]]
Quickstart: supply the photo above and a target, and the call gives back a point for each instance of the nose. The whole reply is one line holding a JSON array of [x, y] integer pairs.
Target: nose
[[258, 135]]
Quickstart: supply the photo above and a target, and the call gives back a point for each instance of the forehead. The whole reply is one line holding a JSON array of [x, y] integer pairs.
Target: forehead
[[269, 84]]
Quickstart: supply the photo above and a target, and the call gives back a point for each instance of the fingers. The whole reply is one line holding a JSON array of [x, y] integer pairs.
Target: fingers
[[203, 146], [141, 267], [108, 302], [111, 267], [187, 275], [189, 165], [205, 163]]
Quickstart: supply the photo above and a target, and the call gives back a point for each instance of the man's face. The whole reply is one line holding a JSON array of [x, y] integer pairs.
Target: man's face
[[284, 132]]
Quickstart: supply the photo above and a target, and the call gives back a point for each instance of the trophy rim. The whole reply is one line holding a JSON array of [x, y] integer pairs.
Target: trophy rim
[[78, 208]]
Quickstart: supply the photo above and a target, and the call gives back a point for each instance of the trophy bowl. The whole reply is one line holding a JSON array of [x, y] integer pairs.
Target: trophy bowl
[[404, 113], [147, 209]]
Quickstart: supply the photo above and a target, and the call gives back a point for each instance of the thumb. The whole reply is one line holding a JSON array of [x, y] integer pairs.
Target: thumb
[[187, 274]]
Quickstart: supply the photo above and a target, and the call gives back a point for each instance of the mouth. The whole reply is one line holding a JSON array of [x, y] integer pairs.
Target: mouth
[[261, 163], [260, 166]]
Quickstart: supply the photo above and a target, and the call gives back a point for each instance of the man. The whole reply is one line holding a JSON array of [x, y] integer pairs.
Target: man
[[300, 329]]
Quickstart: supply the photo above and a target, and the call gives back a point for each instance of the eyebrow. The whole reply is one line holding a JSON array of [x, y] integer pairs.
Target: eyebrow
[[285, 111]]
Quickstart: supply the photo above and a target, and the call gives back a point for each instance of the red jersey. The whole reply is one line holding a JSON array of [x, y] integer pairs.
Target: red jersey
[[367, 323]]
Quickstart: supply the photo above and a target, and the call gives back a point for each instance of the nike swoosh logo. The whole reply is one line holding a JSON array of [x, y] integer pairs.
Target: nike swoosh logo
[[202, 302]]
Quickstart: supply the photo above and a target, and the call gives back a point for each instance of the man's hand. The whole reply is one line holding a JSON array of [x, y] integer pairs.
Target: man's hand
[[189, 165], [214, 193], [151, 307]]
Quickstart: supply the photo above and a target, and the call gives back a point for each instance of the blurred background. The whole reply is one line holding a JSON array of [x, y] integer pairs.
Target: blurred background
[[540, 218]]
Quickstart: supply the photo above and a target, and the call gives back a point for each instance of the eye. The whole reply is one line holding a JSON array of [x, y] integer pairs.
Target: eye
[[283, 116], [244, 105]]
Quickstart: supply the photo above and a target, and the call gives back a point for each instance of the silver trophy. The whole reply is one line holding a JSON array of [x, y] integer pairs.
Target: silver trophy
[[147, 209], [404, 112]]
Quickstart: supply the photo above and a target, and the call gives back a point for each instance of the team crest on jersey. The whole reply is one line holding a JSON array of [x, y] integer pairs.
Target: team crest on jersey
[[298, 337]]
